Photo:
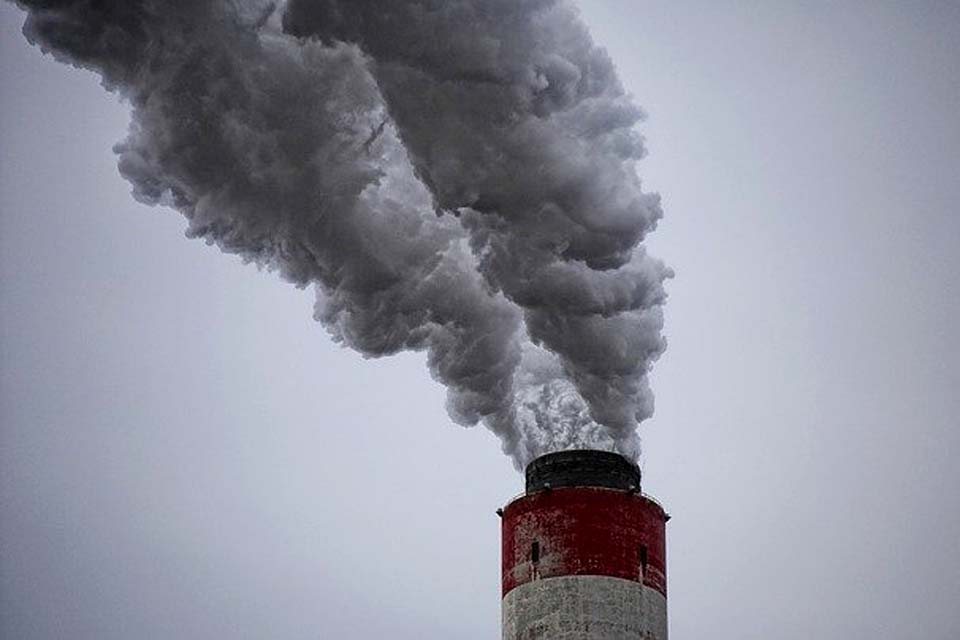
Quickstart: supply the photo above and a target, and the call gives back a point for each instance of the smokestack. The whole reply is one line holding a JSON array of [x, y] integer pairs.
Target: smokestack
[[584, 552]]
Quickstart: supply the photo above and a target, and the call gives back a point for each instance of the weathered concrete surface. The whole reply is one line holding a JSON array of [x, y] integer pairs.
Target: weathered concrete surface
[[584, 608]]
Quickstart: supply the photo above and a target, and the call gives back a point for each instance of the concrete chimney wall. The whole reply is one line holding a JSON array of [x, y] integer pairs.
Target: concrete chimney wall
[[584, 553]]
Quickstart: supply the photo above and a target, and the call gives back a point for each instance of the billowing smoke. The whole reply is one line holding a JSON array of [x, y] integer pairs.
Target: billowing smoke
[[452, 176]]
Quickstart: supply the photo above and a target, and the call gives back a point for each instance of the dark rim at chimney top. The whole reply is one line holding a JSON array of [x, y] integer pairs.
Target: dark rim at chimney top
[[582, 468]]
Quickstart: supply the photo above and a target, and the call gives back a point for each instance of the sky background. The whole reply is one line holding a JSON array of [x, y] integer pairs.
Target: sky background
[[184, 453]]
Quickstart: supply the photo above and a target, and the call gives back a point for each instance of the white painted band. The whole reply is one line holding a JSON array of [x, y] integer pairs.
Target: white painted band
[[582, 608]]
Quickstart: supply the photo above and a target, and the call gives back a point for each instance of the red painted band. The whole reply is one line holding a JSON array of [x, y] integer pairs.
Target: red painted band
[[584, 531]]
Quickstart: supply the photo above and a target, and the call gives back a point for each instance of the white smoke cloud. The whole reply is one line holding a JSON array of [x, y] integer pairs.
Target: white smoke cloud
[[453, 177]]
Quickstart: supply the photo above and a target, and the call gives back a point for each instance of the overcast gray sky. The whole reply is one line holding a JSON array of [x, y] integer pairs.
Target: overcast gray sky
[[184, 453]]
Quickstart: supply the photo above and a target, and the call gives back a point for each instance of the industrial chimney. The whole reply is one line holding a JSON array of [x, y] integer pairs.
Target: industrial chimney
[[584, 553]]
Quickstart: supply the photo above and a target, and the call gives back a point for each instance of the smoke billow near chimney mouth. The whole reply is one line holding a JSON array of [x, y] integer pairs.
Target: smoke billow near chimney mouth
[[582, 468]]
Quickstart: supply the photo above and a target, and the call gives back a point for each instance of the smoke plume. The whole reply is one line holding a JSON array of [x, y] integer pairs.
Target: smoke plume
[[451, 176]]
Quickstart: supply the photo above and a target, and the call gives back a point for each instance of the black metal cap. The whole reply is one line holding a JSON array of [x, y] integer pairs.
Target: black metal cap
[[582, 468]]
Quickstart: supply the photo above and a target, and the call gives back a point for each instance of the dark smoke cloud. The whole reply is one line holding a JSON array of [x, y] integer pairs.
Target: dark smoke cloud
[[456, 177]]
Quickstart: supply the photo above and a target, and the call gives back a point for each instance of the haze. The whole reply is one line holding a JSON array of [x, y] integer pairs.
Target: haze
[[185, 453]]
